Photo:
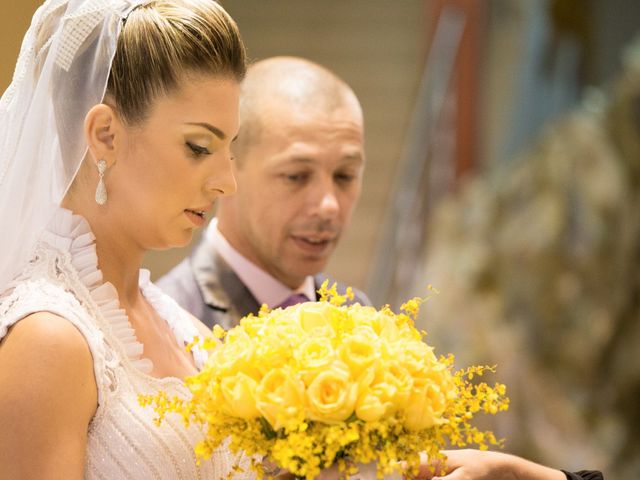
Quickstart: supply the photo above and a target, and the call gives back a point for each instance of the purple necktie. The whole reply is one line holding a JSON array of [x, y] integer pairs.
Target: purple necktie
[[293, 300]]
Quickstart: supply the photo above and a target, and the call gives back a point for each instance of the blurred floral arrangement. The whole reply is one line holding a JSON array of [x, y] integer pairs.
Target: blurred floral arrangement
[[545, 250], [324, 383]]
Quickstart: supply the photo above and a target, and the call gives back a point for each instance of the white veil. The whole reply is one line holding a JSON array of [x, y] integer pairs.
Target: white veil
[[62, 71]]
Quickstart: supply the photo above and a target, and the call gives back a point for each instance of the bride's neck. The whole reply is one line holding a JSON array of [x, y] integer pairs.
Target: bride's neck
[[119, 259], [120, 268]]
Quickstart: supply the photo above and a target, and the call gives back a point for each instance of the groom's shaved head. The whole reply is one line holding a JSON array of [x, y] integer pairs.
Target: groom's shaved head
[[287, 86]]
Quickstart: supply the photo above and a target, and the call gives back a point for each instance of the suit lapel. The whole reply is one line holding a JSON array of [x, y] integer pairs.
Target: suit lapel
[[220, 287]]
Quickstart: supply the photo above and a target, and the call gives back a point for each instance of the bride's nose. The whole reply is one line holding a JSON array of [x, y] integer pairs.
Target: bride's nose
[[221, 180]]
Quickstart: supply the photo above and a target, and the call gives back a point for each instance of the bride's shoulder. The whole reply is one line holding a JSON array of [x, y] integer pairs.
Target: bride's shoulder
[[45, 336], [43, 357], [38, 324]]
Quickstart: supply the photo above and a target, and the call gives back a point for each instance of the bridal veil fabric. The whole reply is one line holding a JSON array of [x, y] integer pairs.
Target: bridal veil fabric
[[61, 72]]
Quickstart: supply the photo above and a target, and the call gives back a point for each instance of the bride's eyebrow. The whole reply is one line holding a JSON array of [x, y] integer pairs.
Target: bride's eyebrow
[[215, 130]]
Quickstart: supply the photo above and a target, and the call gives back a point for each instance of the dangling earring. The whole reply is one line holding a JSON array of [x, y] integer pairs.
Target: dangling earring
[[101, 191]]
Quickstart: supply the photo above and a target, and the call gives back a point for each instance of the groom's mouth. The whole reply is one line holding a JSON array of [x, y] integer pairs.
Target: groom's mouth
[[315, 245]]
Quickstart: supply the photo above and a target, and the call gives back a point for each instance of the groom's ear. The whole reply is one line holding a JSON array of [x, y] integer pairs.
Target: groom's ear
[[100, 127]]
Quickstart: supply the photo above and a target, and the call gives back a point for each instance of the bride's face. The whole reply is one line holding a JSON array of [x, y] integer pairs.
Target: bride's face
[[170, 170]]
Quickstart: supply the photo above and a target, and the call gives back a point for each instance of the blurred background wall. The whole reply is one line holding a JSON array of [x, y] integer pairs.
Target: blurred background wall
[[481, 118]]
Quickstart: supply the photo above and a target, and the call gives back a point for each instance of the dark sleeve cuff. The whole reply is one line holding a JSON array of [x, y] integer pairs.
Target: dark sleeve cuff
[[584, 475]]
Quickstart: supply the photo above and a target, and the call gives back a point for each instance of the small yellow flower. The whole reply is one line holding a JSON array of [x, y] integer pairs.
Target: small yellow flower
[[412, 307]]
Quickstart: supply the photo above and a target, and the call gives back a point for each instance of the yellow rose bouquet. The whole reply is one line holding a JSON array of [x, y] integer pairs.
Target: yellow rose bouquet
[[322, 383]]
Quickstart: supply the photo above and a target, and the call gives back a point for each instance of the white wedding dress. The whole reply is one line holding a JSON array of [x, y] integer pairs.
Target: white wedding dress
[[123, 442]]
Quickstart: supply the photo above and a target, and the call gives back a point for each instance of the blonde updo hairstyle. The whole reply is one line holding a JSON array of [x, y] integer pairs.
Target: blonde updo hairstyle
[[161, 44], [164, 41]]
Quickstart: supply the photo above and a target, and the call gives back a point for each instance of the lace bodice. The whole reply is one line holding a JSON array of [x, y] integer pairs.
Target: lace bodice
[[123, 442]]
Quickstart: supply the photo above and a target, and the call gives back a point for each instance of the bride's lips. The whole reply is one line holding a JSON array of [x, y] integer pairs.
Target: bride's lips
[[197, 215]]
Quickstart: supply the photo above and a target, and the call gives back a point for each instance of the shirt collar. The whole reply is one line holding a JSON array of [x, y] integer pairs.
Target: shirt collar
[[264, 287]]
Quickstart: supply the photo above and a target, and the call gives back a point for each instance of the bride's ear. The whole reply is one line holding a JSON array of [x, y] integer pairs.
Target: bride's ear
[[100, 127]]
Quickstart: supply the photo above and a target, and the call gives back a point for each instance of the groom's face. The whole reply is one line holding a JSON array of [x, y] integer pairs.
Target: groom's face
[[297, 186]]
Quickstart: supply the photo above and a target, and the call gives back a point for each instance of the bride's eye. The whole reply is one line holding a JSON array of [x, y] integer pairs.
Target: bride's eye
[[198, 150]]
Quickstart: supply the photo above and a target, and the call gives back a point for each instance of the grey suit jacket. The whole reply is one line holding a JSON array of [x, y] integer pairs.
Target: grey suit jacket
[[206, 286]]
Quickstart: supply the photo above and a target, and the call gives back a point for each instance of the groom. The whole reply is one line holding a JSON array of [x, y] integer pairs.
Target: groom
[[299, 165]]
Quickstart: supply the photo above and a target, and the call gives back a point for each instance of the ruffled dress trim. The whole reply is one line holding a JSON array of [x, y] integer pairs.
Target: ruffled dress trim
[[72, 233]]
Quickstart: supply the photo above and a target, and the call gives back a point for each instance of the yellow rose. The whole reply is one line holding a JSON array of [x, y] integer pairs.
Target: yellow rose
[[415, 356], [274, 351], [317, 317], [286, 324], [279, 397], [313, 355], [239, 395], [436, 373], [366, 316], [332, 395], [425, 407], [235, 355], [386, 326], [402, 380], [360, 350], [376, 395]]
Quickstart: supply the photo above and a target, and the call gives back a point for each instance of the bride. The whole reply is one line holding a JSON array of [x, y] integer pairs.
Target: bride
[[115, 138]]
